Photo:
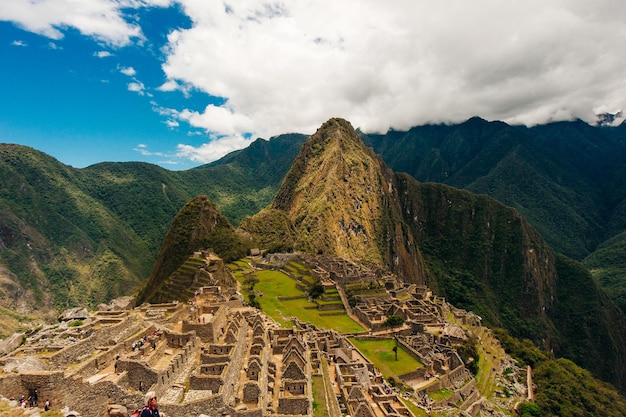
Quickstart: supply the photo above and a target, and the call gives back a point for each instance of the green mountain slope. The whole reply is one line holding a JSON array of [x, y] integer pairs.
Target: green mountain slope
[[568, 179], [557, 175], [72, 237], [62, 246]]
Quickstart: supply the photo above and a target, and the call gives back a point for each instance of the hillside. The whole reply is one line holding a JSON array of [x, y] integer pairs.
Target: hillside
[[559, 175], [71, 237], [534, 170], [567, 178]]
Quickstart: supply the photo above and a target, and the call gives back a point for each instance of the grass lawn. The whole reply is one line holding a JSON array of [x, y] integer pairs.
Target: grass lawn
[[274, 284], [381, 354], [320, 408]]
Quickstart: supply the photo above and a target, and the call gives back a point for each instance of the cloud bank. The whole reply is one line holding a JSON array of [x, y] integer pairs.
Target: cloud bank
[[288, 66]]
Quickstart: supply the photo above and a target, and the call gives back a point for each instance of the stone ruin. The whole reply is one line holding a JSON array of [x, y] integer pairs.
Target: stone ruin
[[215, 356]]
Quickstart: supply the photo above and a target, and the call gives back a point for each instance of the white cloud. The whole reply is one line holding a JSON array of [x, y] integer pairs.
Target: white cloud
[[219, 120], [129, 71], [102, 54], [142, 148], [137, 87], [101, 19], [19, 43], [284, 67], [212, 150], [289, 66], [169, 85]]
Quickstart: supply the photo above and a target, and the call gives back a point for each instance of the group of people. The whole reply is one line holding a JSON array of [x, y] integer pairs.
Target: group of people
[[425, 401], [32, 401], [151, 339]]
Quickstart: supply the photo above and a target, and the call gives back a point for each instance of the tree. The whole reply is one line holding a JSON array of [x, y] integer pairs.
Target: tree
[[529, 409], [393, 321], [316, 291]]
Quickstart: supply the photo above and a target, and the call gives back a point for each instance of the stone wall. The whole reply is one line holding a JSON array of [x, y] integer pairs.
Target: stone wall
[[100, 361], [251, 392], [293, 405], [211, 331], [103, 336], [206, 382], [209, 405]]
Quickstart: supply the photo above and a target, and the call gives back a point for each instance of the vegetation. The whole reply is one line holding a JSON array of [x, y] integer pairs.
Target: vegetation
[[382, 355], [393, 321], [468, 352], [315, 291], [197, 226], [319, 397], [278, 296], [563, 388]]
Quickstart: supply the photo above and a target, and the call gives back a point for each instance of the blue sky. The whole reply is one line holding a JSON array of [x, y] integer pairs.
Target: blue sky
[[83, 101], [180, 83]]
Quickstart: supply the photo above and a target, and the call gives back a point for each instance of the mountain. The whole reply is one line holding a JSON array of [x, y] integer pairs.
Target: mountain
[[198, 226], [60, 246], [71, 237], [559, 175], [567, 178], [340, 199], [337, 195]]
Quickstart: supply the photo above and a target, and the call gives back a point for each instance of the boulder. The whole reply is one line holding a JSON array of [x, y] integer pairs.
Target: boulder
[[117, 410]]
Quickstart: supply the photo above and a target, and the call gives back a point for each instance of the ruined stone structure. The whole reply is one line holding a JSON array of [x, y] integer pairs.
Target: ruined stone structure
[[217, 356]]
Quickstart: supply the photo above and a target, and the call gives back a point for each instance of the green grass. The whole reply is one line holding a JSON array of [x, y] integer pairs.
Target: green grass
[[441, 394], [417, 411], [274, 284], [381, 354], [319, 397]]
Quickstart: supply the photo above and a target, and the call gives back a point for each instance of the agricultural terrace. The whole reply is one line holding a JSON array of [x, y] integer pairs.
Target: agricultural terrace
[[382, 355], [280, 298]]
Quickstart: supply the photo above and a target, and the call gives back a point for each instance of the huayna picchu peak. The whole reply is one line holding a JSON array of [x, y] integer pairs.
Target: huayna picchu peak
[[341, 201]]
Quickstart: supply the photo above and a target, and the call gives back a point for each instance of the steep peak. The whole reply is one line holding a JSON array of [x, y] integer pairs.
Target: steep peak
[[334, 194], [329, 157], [198, 226]]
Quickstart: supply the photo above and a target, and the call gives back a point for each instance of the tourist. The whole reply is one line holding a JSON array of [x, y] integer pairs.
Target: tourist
[[151, 408], [46, 405]]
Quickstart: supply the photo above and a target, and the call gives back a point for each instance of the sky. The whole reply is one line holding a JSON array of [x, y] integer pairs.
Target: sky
[[180, 83]]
